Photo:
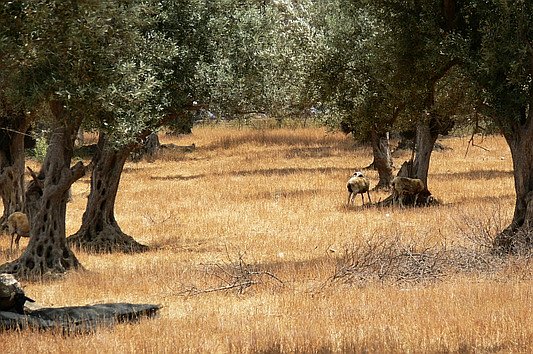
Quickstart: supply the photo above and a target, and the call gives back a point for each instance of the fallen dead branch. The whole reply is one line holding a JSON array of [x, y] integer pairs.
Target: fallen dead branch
[[232, 275]]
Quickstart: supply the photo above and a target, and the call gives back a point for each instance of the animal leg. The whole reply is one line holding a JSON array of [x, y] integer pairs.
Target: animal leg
[[17, 241], [363, 198], [368, 194]]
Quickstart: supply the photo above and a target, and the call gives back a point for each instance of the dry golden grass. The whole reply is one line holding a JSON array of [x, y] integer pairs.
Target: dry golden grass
[[275, 199]]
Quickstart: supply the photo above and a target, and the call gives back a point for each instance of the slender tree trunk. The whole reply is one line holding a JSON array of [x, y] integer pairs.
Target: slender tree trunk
[[100, 231], [12, 164], [48, 252], [382, 158], [425, 141]]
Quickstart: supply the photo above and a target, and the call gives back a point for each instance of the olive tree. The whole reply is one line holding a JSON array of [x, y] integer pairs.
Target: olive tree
[[389, 59], [73, 50], [155, 85], [353, 78], [500, 61], [178, 65], [130, 107]]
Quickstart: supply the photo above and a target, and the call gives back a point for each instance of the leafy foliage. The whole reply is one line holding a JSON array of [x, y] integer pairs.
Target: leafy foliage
[[500, 57], [260, 54], [388, 62]]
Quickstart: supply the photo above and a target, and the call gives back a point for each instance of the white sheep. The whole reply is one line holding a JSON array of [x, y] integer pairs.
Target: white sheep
[[18, 223], [404, 186], [358, 184]]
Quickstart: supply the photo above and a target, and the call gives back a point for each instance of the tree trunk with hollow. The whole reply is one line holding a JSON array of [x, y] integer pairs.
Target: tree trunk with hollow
[[48, 253], [382, 158], [100, 231]]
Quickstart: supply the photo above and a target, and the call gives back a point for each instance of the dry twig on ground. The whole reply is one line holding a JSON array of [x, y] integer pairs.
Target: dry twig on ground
[[235, 274]]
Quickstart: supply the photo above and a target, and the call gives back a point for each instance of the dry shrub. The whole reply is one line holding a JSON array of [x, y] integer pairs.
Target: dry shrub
[[232, 274], [479, 231], [389, 261], [394, 261]]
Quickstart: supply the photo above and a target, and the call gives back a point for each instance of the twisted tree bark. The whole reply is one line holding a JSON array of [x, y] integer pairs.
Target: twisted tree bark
[[518, 235], [48, 252], [12, 162], [99, 231], [382, 158]]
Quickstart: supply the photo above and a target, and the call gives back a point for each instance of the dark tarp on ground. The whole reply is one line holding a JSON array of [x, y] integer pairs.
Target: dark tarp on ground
[[76, 319]]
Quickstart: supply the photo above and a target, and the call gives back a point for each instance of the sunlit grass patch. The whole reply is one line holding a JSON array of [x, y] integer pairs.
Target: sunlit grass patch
[[276, 199]]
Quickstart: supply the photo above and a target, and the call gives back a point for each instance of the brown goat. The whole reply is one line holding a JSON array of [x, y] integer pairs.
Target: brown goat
[[18, 223], [404, 186]]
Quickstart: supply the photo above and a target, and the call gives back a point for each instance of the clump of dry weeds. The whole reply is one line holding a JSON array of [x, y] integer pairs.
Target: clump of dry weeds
[[388, 261], [232, 274], [396, 262]]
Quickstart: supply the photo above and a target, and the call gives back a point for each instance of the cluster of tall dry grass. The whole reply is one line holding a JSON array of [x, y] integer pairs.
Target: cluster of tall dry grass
[[253, 250]]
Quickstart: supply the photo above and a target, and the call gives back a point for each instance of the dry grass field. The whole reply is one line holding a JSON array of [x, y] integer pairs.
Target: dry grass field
[[262, 213]]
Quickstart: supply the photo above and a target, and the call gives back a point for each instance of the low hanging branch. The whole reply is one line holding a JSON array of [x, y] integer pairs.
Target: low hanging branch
[[471, 142]]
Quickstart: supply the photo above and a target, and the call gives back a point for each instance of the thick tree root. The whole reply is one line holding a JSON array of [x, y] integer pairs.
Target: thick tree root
[[109, 240], [424, 199], [34, 267], [513, 241]]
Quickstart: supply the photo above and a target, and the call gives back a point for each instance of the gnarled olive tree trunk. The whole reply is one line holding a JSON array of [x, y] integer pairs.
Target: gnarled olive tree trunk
[[12, 163], [48, 252], [429, 126], [100, 231], [382, 158]]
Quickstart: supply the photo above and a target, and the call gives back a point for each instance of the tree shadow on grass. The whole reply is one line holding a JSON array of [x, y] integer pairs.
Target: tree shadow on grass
[[288, 171], [271, 138], [313, 152], [259, 172], [178, 177], [474, 175]]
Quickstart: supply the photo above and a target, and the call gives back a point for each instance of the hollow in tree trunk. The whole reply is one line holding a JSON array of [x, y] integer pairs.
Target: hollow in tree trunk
[[12, 163], [48, 252], [382, 158], [100, 231]]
